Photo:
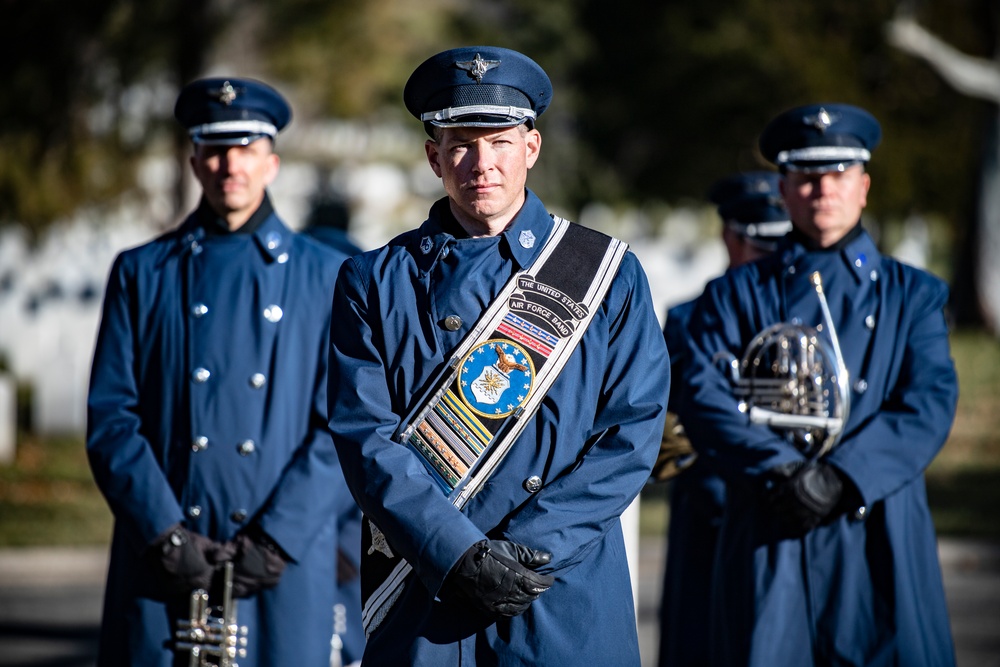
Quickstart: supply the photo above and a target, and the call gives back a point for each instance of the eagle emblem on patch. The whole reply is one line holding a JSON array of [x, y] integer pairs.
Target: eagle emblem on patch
[[496, 377]]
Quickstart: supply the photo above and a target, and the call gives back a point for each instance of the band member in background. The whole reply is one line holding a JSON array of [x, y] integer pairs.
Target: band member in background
[[510, 383], [753, 220], [207, 413], [829, 560]]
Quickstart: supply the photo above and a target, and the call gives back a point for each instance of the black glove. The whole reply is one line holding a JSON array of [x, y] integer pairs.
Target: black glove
[[182, 561], [258, 564], [498, 578], [803, 494]]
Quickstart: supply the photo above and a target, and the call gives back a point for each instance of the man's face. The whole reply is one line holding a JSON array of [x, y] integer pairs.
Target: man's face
[[826, 206], [234, 177], [483, 170]]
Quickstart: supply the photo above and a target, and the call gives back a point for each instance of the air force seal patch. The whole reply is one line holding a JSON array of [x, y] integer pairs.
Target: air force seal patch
[[496, 378]]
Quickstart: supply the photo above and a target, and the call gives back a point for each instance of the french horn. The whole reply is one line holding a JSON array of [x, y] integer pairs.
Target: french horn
[[791, 379]]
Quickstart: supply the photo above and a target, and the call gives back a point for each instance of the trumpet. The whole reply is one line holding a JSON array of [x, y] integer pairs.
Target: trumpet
[[212, 636], [791, 379]]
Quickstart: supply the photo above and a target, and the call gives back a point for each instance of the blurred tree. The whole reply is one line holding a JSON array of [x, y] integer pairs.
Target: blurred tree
[[82, 95]]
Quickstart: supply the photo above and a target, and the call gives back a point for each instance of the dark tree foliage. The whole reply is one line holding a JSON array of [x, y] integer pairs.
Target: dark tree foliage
[[68, 70]]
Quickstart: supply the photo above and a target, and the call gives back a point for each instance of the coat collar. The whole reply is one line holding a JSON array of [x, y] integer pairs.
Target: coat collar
[[269, 233], [859, 254], [523, 238]]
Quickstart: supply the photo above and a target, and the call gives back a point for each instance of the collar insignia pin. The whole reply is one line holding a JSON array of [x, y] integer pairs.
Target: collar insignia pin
[[526, 239], [426, 244], [477, 67]]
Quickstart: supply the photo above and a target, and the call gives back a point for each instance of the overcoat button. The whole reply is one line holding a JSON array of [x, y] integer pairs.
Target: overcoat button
[[533, 484], [201, 375], [273, 240], [247, 447], [870, 321], [199, 443], [282, 258], [861, 513], [257, 380], [453, 323], [239, 516], [861, 386], [194, 511], [199, 309], [273, 313]]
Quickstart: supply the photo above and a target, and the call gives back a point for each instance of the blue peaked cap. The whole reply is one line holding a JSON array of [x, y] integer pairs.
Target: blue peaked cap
[[230, 111], [477, 86], [751, 203], [820, 138]]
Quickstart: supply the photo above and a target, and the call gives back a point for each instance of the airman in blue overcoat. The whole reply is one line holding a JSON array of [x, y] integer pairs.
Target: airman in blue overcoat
[[827, 559], [753, 220], [532, 570], [207, 413]]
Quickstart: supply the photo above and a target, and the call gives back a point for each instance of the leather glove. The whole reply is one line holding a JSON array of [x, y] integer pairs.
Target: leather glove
[[182, 561], [498, 578], [804, 494], [259, 563]]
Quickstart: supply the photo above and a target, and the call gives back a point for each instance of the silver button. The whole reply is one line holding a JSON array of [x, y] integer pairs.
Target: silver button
[[246, 448], [453, 323], [282, 258], [196, 248], [533, 484], [873, 275], [273, 240], [870, 321], [444, 252], [199, 443], [861, 386], [861, 513], [273, 313], [201, 375], [257, 380], [239, 516], [791, 270], [194, 511], [199, 309], [858, 262]]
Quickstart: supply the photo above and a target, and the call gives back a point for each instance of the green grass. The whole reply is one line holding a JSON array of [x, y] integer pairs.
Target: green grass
[[48, 497]]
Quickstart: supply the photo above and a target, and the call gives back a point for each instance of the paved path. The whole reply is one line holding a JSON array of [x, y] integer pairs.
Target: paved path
[[50, 603]]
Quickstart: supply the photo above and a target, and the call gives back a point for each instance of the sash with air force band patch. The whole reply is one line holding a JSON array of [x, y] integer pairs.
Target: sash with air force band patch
[[494, 382]]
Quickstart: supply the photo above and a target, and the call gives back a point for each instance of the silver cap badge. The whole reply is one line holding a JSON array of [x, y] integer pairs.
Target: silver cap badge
[[477, 67]]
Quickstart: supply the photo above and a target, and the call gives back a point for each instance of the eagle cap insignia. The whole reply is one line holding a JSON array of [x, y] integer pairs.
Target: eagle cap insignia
[[226, 94], [822, 120], [477, 67]]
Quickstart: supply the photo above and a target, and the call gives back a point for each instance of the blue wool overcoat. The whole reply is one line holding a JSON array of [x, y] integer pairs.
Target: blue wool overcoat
[[208, 407], [592, 443], [864, 588]]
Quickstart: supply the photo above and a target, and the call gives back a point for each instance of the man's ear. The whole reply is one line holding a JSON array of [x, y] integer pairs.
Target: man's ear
[[532, 146], [433, 152]]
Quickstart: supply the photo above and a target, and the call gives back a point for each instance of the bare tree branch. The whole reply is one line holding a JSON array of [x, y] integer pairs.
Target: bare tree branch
[[976, 77]]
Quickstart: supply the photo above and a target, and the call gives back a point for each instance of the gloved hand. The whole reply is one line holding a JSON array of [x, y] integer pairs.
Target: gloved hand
[[259, 563], [497, 577], [182, 561], [803, 494]]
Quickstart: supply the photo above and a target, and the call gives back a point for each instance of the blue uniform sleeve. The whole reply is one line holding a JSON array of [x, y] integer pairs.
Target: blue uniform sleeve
[[387, 480], [124, 463], [899, 441], [718, 430], [574, 511]]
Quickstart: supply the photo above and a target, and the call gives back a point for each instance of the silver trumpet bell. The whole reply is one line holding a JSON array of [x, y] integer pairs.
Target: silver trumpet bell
[[792, 380]]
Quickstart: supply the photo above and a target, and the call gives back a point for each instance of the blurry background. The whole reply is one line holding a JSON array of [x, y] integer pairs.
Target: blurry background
[[653, 102]]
